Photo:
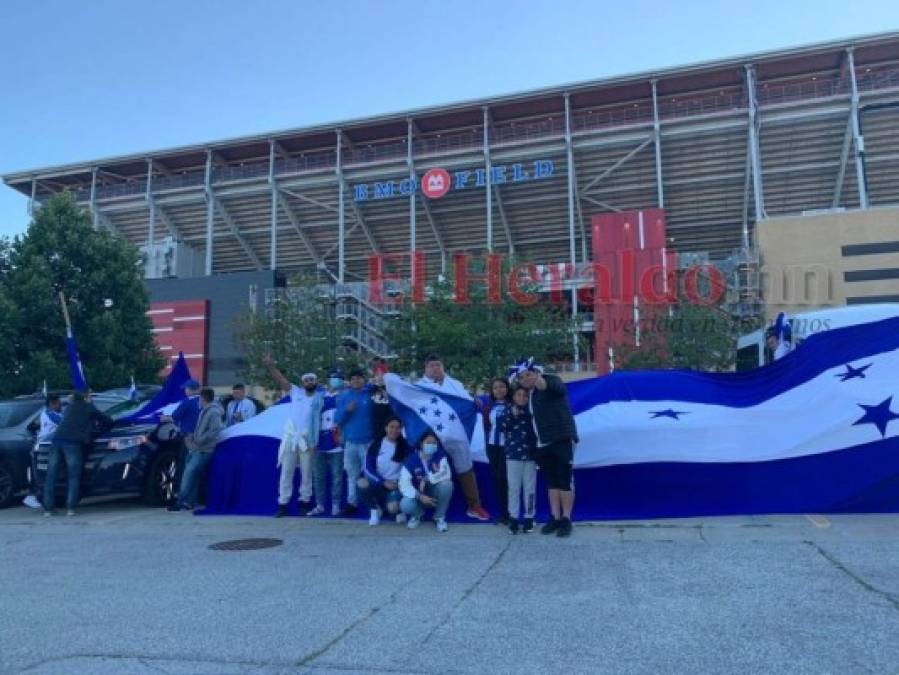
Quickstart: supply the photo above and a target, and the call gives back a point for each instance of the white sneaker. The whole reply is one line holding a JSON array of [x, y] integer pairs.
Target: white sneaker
[[335, 511], [413, 523], [375, 517], [401, 518], [317, 511], [441, 525], [31, 502], [70, 513]]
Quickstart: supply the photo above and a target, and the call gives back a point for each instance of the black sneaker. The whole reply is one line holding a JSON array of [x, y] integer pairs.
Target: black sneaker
[[173, 508], [551, 526], [349, 511], [513, 526], [504, 520], [282, 511], [527, 525], [565, 528], [305, 508]]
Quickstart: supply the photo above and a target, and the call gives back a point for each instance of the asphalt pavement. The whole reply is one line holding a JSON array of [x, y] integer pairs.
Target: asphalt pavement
[[125, 589]]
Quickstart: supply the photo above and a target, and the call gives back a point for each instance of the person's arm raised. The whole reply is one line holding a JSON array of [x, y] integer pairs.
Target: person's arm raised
[[276, 374]]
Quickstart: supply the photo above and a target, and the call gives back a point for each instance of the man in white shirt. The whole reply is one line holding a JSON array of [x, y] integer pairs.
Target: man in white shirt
[[50, 418], [435, 378], [240, 408], [306, 414]]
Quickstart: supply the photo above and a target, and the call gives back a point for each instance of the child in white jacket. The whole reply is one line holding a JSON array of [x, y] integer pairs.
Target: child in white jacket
[[426, 482]]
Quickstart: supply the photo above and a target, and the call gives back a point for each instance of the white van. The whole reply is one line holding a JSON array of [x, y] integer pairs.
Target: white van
[[752, 351]]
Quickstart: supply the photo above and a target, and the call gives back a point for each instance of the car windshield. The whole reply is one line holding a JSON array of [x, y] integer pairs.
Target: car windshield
[[13, 413], [121, 409]]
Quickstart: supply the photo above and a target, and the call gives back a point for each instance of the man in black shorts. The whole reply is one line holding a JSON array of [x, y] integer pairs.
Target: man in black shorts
[[556, 438]]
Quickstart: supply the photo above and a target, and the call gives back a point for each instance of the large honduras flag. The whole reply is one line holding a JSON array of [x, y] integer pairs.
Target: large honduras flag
[[454, 419], [815, 432]]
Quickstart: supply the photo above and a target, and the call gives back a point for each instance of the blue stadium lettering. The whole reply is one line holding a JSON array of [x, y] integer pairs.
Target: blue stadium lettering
[[361, 192], [498, 175], [480, 177], [384, 190], [461, 177], [518, 173], [408, 186], [543, 168]]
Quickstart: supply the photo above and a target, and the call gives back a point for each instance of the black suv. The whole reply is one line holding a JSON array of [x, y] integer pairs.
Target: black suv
[[129, 458]]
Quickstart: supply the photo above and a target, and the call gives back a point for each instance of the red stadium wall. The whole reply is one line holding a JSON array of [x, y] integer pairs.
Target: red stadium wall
[[631, 246], [182, 327]]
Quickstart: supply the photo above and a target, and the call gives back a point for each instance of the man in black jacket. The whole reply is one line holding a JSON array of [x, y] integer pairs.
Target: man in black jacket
[[556, 437], [74, 432]]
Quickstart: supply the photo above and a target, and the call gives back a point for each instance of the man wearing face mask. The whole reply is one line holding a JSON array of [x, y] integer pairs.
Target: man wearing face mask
[[308, 423], [330, 450]]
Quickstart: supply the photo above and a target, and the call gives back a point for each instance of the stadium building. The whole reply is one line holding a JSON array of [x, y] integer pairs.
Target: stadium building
[[751, 159]]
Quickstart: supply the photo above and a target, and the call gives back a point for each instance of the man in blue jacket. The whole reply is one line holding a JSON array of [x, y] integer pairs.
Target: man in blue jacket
[[184, 417], [354, 418]]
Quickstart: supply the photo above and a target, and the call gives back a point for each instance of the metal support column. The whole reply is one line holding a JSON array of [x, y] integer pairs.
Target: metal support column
[[487, 171], [210, 212], [151, 205], [412, 198], [657, 128], [858, 141], [341, 223], [94, 216], [754, 152], [273, 238], [572, 247], [33, 196]]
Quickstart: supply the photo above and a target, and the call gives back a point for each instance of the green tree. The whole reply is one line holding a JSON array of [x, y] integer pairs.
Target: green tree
[[300, 332], [101, 277], [478, 340], [695, 336]]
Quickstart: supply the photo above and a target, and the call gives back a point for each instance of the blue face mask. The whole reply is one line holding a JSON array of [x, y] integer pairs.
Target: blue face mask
[[336, 383], [429, 448]]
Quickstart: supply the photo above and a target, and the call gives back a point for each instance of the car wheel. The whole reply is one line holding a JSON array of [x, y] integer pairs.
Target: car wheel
[[7, 486], [159, 488]]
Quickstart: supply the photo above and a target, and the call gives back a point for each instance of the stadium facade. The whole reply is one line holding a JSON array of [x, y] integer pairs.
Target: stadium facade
[[720, 146]]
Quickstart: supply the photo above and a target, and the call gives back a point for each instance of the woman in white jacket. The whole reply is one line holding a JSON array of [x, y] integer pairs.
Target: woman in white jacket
[[426, 482]]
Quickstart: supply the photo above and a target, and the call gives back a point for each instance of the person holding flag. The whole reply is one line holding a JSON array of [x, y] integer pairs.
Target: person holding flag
[[556, 434], [184, 417], [779, 338], [240, 408], [440, 402], [50, 418]]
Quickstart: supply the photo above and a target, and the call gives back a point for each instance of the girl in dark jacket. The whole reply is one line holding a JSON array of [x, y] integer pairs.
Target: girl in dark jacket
[[496, 407]]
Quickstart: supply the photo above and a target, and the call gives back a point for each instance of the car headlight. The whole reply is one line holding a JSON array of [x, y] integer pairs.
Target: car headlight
[[126, 442]]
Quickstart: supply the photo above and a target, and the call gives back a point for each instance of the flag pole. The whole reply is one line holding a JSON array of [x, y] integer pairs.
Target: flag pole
[[65, 313]]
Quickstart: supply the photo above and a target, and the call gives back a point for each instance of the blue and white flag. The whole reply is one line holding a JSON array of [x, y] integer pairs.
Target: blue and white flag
[[816, 431], [167, 398], [454, 419], [79, 382], [132, 392]]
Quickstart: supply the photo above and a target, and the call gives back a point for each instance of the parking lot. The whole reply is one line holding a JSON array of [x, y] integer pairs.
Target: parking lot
[[125, 589]]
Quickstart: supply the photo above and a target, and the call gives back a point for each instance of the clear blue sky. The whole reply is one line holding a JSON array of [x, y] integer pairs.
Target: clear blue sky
[[89, 79]]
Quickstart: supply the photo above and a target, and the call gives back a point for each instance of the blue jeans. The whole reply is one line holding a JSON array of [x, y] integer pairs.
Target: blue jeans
[[72, 453], [353, 461], [323, 462], [190, 482], [442, 492]]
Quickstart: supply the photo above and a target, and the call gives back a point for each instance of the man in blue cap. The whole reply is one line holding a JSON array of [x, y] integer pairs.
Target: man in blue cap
[[184, 417]]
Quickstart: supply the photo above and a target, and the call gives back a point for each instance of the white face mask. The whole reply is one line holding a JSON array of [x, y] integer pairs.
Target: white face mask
[[429, 448]]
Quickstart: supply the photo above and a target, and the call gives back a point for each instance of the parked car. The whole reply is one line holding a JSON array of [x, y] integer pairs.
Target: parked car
[[17, 435], [138, 459], [19, 424]]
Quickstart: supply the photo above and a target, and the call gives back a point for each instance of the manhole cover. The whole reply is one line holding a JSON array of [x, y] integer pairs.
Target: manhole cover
[[245, 544]]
